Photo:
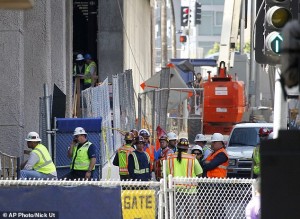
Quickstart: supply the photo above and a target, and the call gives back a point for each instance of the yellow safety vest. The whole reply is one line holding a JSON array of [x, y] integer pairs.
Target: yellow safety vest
[[256, 159], [87, 71], [123, 153], [183, 169], [137, 169], [45, 164], [82, 160]]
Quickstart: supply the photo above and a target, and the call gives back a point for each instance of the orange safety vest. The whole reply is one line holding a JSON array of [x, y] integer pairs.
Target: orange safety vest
[[190, 159], [123, 166], [221, 170], [158, 163], [150, 151]]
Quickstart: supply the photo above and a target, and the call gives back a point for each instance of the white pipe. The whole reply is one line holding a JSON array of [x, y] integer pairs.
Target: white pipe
[[48, 122], [280, 106], [171, 196]]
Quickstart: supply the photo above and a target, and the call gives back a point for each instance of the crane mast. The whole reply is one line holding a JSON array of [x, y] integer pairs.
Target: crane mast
[[230, 31]]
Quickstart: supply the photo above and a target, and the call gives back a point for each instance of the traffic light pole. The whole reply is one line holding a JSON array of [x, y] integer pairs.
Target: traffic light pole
[[280, 106]]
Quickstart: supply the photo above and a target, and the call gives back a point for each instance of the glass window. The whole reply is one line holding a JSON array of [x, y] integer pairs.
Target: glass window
[[244, 137], [218, 18]]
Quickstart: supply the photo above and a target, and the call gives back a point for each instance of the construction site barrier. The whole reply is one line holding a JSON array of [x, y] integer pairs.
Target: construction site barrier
[[174, 198]]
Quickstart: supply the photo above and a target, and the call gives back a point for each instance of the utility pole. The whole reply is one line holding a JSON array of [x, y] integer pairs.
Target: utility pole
[[173, 29], [164, 43]]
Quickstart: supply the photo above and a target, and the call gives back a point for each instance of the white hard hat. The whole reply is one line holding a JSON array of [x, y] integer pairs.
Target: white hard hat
[[79, 131], [197, 147], [144, 133], [172, 136], [200, 137], [79, 57], [217, 137], [33, 136]]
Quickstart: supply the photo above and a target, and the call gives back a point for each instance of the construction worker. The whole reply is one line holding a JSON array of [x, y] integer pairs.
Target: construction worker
[[80, 66], [121, 158], [201, 141], [263, 134], [90, 74], [39, 164], [150, 149], [198, 152], [83, 154], [182, 164], [164, 152], [172, 137], [217, 162], [139, 162]]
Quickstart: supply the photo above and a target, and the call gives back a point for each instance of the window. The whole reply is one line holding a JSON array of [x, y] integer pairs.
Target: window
[[218, 18]]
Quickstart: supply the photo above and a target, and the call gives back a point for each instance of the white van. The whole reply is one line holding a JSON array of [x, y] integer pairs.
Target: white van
[[241, 142]]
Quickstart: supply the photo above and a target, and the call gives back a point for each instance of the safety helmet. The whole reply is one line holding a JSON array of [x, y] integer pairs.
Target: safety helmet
[[87, 56], [263, 132], [79, 57], [163, 137], [197, 147], [33, 136], [139, 139], [129, 136], [172, 136], [79, 131], [135, 132], [144, 133], [183, 143], [217, 137], [200, 137]]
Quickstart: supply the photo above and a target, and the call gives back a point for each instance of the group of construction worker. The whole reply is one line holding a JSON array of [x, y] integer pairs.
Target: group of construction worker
[[40, 165], [86, 69], [137, 158]]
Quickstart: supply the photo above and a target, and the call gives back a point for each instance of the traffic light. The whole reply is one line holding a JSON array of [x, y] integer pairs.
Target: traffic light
[[270, 21], [197, 13], [182, 39], [185, 16]]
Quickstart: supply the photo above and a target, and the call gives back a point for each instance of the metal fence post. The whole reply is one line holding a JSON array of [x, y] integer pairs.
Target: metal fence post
[[171, 196]]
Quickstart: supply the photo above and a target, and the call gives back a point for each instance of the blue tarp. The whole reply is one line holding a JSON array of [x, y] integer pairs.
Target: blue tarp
[[64, 136], [68, 202]]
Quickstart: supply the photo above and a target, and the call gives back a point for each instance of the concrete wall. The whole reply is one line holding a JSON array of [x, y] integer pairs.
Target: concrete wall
[[34, 52], [137, 40]]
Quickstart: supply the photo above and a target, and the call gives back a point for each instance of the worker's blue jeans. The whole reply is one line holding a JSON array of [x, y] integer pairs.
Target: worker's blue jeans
[[32, 174]]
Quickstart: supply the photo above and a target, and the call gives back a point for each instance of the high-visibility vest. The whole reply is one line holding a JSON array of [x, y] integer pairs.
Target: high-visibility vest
[[87, 71], [45, 164], [150, 151], [221, 170], [159, 163], [256, 159], [137, 169], [123, 153], [81, 160], [76, 70], [184, 169]]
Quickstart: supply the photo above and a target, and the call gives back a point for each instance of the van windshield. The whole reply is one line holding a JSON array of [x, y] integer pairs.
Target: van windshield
[[244, 137]]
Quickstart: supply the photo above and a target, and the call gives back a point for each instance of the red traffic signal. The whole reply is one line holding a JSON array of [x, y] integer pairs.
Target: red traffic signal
[[182, 39]]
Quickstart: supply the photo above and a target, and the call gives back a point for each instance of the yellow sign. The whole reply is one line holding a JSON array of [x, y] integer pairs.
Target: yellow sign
[[138, 204]]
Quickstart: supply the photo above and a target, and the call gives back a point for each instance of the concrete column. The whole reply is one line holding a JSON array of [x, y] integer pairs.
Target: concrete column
[[11, 82]]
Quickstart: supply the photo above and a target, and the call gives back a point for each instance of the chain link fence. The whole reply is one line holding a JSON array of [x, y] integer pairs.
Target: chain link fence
[[210, 198], [174, 109]]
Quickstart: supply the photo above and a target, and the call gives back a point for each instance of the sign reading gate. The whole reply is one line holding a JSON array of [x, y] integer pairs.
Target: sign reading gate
[[138, 204]]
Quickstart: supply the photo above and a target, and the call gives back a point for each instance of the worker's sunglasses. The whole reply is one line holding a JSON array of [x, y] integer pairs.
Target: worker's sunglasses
[[197, 153]]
